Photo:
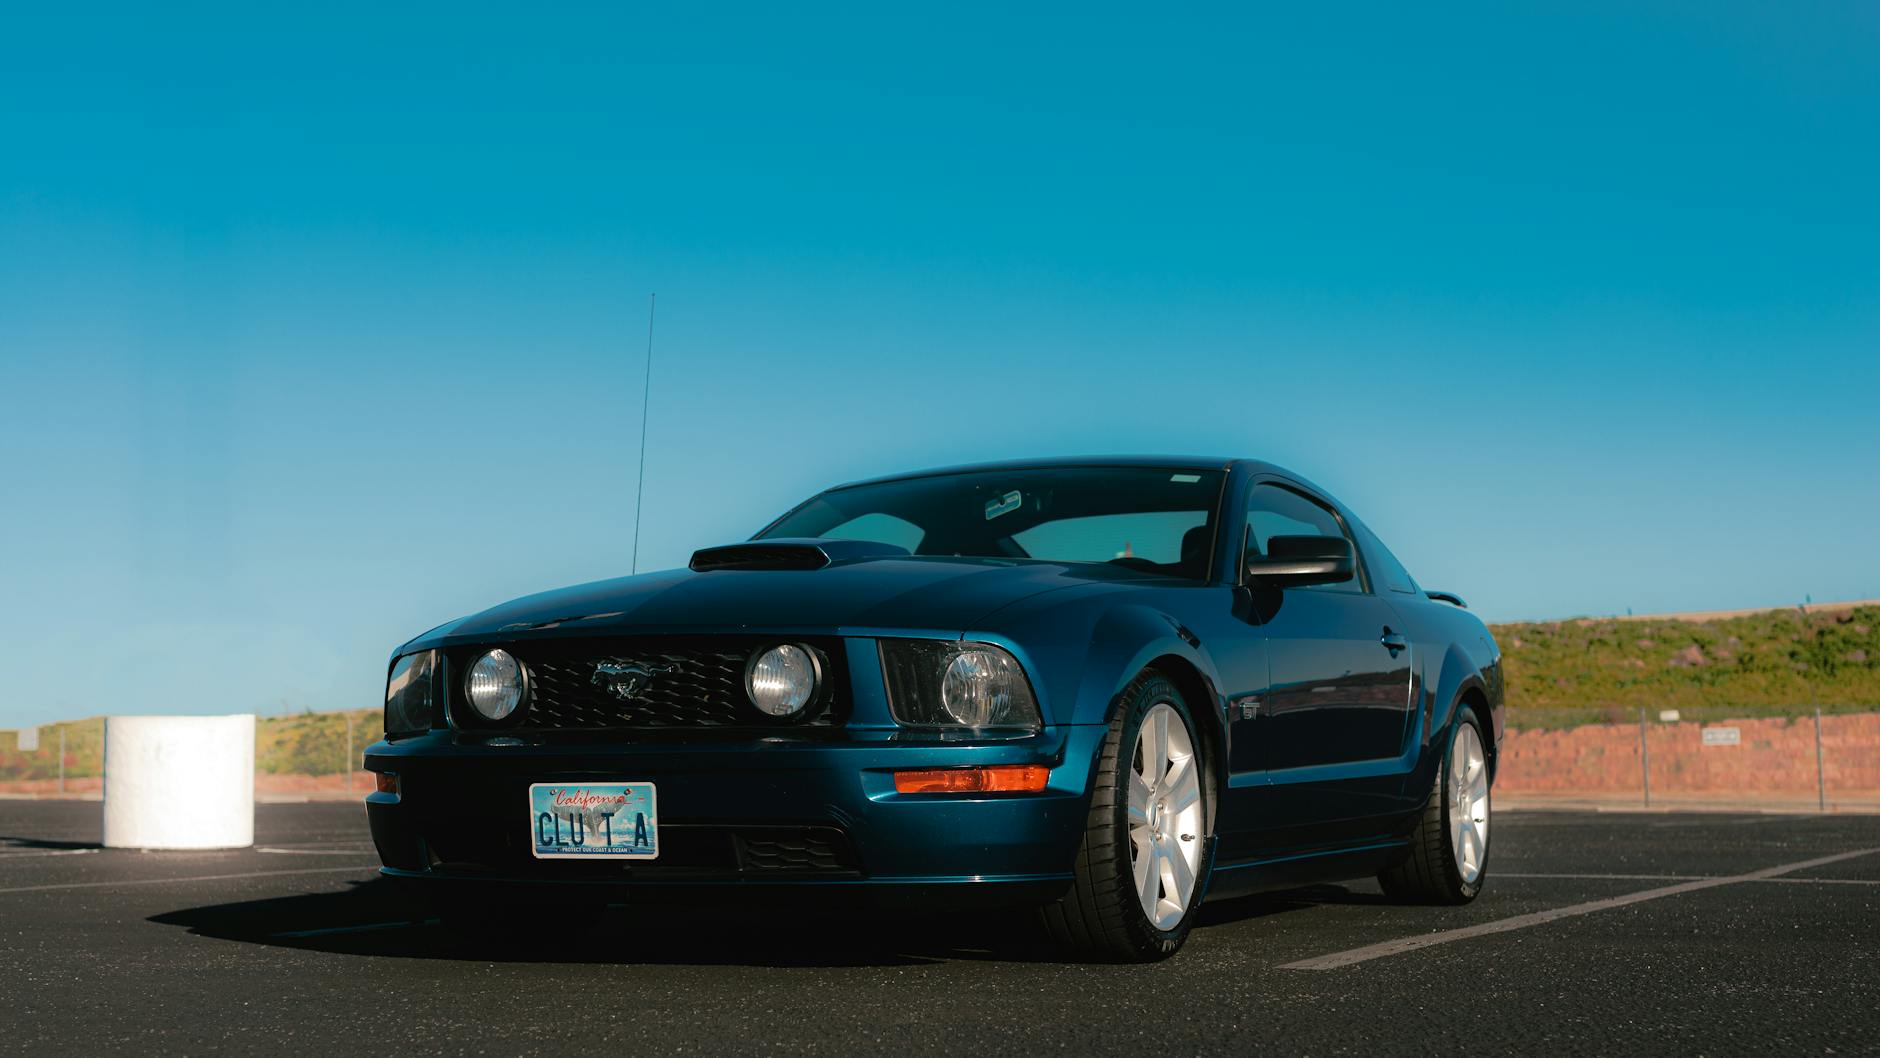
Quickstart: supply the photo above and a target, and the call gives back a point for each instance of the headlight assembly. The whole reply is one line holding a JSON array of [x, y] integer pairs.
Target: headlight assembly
[[495, 685], [939, 683], [410, 691]]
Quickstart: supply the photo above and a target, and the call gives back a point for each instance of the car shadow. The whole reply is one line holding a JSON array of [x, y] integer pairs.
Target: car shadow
[[379, 918], [1239, 909], [12, 842]]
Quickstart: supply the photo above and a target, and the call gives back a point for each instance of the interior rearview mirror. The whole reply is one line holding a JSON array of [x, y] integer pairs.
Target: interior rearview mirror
[[1296, 561]]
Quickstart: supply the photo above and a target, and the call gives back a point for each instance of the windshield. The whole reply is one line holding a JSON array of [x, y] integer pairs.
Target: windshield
[[1156, 520]]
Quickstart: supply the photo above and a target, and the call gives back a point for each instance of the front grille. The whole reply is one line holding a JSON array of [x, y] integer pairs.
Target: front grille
[[498, 843], [820, 849], [689, 683]]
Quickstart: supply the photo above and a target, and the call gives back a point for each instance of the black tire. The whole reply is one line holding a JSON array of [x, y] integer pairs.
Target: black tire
[[1101, 916], [1428, 874]]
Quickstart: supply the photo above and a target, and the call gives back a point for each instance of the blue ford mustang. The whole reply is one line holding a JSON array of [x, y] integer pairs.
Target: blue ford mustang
[[1104, 687]]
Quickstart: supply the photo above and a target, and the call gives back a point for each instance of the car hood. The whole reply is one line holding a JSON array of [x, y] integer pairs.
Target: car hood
[[922, 594]]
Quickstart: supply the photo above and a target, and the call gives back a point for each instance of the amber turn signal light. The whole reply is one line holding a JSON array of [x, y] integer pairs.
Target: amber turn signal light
[[997, 778], [388, 782]]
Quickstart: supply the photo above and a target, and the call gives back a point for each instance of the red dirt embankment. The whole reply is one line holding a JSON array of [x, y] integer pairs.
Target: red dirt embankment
[[1772, 761], [267, 787]]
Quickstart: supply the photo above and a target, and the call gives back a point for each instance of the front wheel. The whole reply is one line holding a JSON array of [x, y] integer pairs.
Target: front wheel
[[1142, 865], [1448, 858]]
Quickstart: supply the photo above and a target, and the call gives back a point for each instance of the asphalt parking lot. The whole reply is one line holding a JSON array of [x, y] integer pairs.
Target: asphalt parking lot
[[1598, 933]]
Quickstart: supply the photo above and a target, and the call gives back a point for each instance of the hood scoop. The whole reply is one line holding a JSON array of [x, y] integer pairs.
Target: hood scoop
[[789, 554]]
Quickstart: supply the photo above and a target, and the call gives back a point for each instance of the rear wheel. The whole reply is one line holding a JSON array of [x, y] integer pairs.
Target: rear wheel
[[1448, 858], [1142, 865]]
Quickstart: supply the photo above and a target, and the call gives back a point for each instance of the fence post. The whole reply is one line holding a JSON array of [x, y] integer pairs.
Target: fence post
[[1821, 775], [349, 753], [61, 759], [1644, 757]]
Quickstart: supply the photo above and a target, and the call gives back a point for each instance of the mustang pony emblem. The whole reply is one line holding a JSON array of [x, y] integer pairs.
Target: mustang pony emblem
[[627, 682]]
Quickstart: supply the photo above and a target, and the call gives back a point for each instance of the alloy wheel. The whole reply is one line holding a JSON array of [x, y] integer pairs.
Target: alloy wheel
[[1165, 816], [1468, 803]]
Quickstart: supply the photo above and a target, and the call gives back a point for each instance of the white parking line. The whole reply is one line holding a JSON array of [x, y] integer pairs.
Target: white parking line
[[10, 855], [1426, 940], [1689, 878], [1614, 877], [178, 881], [308, 852]]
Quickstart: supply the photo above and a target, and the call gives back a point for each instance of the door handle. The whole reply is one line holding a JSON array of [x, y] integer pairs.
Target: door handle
[[1394, 642]]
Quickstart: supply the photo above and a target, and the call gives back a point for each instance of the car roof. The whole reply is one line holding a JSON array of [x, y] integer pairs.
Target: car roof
[[1169, 462]]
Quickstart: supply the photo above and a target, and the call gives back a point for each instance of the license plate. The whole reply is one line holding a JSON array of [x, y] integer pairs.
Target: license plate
[[575, 820]]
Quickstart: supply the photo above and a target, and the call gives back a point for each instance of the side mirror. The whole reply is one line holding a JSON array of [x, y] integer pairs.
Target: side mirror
[[1296, 561]]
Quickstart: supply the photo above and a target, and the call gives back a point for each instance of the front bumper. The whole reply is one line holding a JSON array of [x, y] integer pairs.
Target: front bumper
[[812, 810]]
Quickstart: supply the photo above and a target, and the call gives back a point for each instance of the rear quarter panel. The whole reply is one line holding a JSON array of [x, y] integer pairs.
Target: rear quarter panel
[[1457, 656]]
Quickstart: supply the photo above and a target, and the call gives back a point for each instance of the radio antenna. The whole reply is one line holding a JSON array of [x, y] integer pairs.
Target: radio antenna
[[646, 393]]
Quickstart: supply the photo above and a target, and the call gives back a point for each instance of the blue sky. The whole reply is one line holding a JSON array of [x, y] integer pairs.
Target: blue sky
[[319, 328]]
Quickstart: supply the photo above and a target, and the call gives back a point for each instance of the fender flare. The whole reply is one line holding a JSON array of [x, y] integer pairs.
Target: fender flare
[[1457, 677], [1125, 641]]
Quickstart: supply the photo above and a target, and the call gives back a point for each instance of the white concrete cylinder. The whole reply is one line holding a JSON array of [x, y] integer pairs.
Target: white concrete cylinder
[[179, 782]]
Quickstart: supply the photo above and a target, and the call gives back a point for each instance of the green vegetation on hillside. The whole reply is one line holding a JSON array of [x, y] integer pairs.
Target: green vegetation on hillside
[[300, 744], [1776, 663], [84, 751], [314, 743]]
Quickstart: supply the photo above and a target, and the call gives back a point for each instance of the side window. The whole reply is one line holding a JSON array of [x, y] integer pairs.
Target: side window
[[1275, 511], [1384, 566]]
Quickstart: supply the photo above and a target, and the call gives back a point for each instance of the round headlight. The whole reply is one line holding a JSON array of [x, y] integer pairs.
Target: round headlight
[[977, 688], [782, 679], [495, 685]]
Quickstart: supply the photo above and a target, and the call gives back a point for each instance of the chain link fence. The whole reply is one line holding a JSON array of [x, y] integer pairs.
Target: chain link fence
[[53, 759], [1689, 756], [298, 755], [1812, 757]]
